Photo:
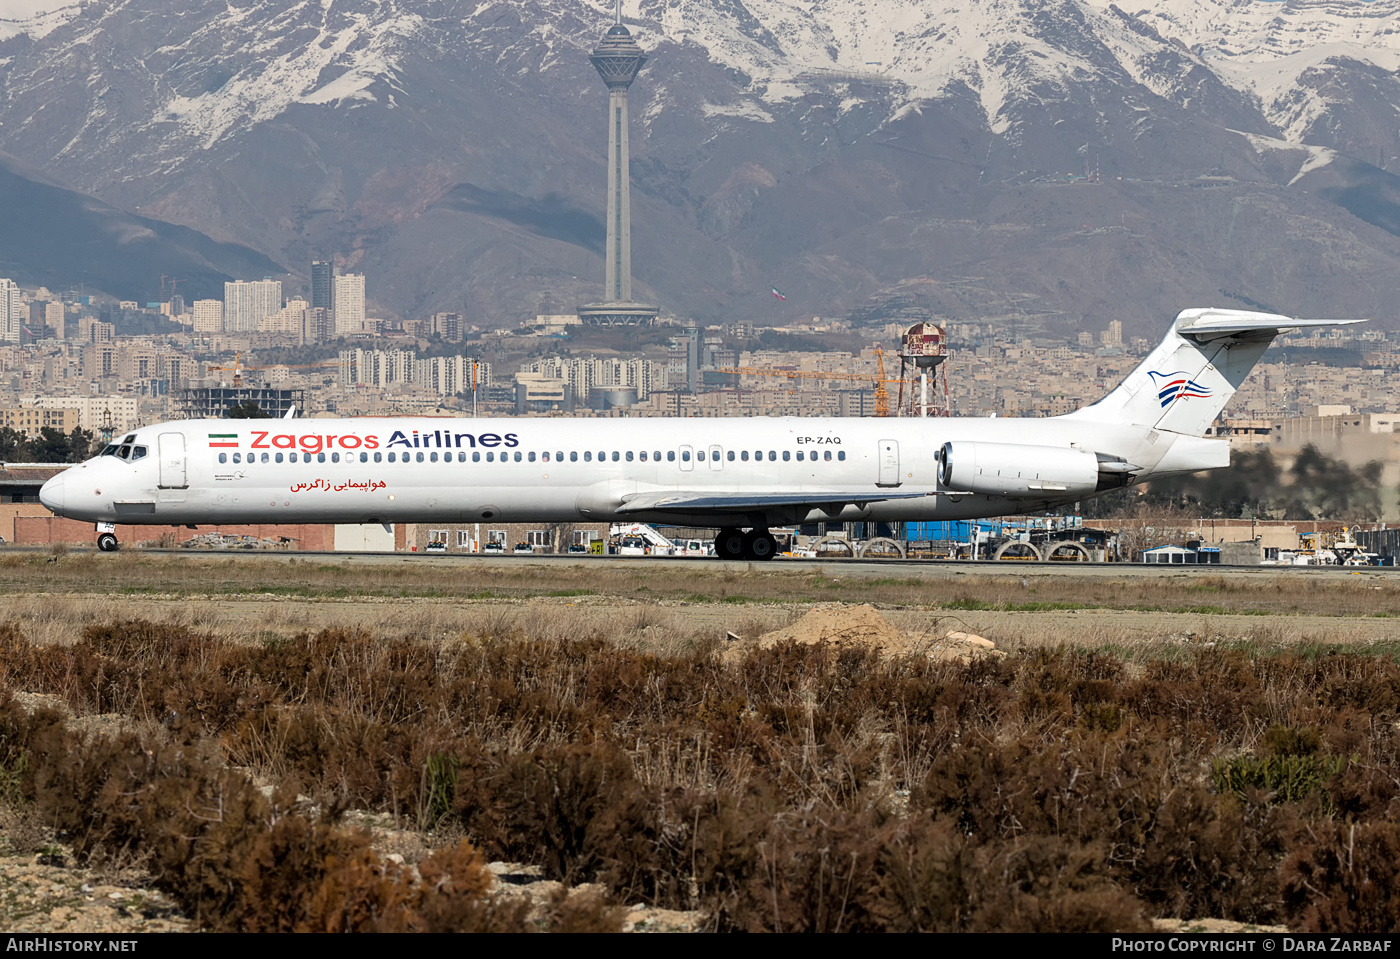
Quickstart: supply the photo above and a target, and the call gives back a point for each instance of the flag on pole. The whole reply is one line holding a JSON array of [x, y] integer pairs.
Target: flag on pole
[[777, 294]]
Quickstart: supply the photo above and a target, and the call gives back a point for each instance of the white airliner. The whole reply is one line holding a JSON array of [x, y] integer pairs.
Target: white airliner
[[740, 475]]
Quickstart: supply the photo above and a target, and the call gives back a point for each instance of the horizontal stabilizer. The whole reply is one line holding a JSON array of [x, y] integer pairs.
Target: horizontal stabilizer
[[669, 501], [1210, 322]]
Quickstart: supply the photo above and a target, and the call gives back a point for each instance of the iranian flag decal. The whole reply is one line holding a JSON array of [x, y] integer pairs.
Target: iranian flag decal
[[223, 439]]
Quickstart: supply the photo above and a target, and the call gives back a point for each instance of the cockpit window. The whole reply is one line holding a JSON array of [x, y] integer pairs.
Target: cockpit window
[[130, 439], [124, 452], [137, 453], [110, 450]]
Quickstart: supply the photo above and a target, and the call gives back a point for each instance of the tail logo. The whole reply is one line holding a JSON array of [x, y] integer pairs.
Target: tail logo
[[1178, 385]]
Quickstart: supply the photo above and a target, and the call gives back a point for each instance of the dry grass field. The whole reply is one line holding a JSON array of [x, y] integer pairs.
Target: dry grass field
[[1176, 746]]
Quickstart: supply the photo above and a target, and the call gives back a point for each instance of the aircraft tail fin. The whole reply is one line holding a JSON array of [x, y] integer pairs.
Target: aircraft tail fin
[[1185, 382]]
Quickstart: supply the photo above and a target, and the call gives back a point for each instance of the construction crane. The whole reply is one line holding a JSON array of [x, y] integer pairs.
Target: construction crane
[[882, 395]]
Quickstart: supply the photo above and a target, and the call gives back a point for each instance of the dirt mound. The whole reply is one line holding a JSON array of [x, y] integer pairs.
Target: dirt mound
[[841, 625]]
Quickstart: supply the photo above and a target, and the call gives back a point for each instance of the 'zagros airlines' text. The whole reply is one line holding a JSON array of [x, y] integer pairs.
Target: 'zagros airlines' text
[[437, 439]]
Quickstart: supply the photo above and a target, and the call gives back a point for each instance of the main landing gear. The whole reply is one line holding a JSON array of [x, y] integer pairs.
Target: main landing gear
[[107, 537], [756, 544]]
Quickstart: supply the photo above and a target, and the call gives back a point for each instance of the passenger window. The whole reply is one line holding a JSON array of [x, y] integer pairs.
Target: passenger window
[[237, 457], [476, 456], [840, 454], [293, 457], [700, 455], [629, 456], [264, 458], [223, 457], [377, 456], [799, 456], [517, 456], [391, 457], [277, 457], [643, 456], [744, 455], [787, 455], [685, 456], [670, 456], [826, 455], [320, 457], [419, 457], [432, 457], [573, 456], [364, 457], [615, 456], [462, 456], [531, 457], [490, 457], [731, 456], [772, 456], [335, 457], [587, 456], [544, 457], [656, 454]]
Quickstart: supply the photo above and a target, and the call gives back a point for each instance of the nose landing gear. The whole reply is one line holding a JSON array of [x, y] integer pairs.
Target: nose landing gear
[[107, 537], [755, 545]]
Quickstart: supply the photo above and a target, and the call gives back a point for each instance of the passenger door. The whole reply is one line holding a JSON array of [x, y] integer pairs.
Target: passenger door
[[172, 461], [889, 463]]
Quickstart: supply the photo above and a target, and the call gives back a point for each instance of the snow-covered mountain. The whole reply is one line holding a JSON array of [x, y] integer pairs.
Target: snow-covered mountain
[[845, 149]]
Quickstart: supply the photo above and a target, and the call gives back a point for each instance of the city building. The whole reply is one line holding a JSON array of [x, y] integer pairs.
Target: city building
[[349, 304], [246, 303], [317, 325], [212, 402], [448, 326], [95, 413], [208, 316], [288, 321], [55, 317], [11, 315], [323, 274], [29, 420]]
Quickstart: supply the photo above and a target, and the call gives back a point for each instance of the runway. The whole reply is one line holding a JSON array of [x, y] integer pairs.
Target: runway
[[905, 568]]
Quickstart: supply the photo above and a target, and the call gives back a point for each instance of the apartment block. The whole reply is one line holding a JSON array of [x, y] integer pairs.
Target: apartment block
[[247, 303], [29, 420]]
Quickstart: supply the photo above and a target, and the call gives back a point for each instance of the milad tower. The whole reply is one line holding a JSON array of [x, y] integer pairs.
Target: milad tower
[[618, 59]]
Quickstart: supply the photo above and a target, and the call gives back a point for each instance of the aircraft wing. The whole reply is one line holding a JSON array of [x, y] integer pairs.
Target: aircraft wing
[[829, 501]]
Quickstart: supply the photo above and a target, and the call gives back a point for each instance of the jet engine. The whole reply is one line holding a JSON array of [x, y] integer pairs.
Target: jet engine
[[1022, 471]]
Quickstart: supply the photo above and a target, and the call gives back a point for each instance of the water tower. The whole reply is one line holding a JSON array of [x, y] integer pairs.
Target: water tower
[[925, 347]]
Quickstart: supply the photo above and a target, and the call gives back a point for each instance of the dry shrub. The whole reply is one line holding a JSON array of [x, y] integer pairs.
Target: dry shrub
[[1341, 878], [239, 861], [795, 787], [553, 804]]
